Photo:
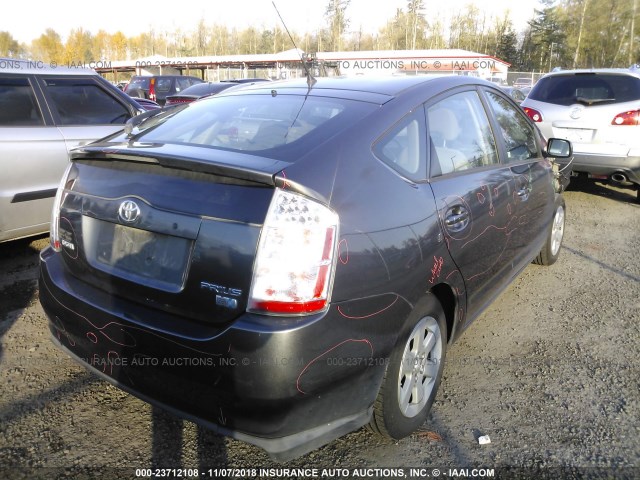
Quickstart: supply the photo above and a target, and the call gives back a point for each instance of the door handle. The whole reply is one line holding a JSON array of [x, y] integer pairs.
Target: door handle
[[457, 219], [523, 193]]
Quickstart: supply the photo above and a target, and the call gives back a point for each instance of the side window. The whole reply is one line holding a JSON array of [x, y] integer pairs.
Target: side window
[[460, 133], [163, 84], [182, 83], [84, 102], [519, 136], [403, 147], [18, 106]]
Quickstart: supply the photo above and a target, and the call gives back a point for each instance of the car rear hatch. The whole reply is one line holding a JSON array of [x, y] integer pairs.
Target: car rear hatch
[[589, 110], [175, 233], [591, 128]]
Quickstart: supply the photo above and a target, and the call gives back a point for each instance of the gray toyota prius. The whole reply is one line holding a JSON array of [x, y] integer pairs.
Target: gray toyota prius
[[288, 262]]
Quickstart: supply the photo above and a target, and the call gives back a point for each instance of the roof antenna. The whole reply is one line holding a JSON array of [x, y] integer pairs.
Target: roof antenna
[[311, 81]]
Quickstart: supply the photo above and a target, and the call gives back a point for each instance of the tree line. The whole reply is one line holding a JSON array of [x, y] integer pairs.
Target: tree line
[[564, 33]]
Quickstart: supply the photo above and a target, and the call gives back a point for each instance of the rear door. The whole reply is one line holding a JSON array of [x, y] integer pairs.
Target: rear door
[[33, 156], [477, 197]]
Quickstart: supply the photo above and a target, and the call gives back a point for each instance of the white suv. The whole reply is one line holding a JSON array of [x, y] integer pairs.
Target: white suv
[[599, 112], [44, 112]]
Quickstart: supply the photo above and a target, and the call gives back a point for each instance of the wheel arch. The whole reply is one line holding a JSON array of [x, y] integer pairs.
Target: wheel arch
[[445, 295]]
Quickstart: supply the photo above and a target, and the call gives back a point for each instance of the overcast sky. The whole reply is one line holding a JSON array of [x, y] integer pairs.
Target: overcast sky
[[133, 18]]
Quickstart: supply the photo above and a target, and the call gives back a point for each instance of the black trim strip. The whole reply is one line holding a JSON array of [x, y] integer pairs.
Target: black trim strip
[[37, 195]]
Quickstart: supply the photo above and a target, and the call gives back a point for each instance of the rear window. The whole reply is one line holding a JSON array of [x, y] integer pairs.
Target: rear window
[[139, 82], [275, 126], [587, 88]]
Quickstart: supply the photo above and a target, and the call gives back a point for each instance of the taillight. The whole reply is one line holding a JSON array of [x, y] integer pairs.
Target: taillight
[[295, 258], [54, 237], [534, 115], [631, 117], [152, 89], [175, 101]]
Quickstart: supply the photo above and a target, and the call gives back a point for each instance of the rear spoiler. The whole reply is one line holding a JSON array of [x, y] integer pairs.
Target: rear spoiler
[[235, 165]]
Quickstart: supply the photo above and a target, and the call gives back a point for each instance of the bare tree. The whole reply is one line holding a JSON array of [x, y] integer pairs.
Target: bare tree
[[337, 21]]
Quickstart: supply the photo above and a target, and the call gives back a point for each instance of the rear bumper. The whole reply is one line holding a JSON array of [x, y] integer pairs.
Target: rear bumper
[[599, 164], [280, 449], [286, 385]]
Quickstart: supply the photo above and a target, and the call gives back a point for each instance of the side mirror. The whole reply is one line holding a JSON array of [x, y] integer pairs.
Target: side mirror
[[559, 148]]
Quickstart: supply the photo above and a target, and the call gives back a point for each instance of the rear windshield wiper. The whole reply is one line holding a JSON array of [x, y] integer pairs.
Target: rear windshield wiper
[[591, 101]]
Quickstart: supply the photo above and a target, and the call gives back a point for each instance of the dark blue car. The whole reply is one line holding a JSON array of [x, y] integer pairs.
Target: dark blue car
[[288, 262]]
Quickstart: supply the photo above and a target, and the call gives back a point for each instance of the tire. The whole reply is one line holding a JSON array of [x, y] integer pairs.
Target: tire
[[552, 246], [412, 376]]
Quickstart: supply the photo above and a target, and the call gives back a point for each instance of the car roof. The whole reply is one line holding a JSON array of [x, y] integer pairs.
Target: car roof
[[616, 71], [16, 66], [177, 75], [378, 89]]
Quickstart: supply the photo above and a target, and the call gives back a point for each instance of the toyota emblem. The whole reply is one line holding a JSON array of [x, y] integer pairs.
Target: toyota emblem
[[129, 211]]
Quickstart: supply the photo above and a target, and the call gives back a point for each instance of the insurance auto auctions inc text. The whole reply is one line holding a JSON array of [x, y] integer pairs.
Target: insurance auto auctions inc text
[[348, 473], [383, 64]]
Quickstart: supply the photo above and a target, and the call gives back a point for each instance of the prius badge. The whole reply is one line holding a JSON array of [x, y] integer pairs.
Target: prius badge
[[223, 294], [129, 211]]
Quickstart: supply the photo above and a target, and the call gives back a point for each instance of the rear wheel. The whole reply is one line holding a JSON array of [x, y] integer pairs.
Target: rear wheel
[[412, 376], [551, 249]]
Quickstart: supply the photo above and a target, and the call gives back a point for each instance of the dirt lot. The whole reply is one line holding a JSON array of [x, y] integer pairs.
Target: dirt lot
[[550, 373]]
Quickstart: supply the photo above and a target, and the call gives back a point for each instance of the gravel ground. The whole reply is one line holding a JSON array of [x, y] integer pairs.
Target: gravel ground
[[549, 372]]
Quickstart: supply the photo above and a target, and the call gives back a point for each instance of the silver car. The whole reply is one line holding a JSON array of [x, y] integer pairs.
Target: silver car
[[44, 112], [599, 112]]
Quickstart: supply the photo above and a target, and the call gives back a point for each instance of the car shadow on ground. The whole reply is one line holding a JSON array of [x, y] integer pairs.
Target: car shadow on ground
[[169, 445], [19, 261], [34, 404], [19, 265], [627, 195], [617, 271]]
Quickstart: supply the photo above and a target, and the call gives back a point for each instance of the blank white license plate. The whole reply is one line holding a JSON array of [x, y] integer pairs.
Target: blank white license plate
[[580, 135]]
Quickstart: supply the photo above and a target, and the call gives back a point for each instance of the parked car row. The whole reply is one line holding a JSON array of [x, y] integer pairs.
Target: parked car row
[[197, 91], [517, 94], [177, 88], [202, 90], [159, 87]]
